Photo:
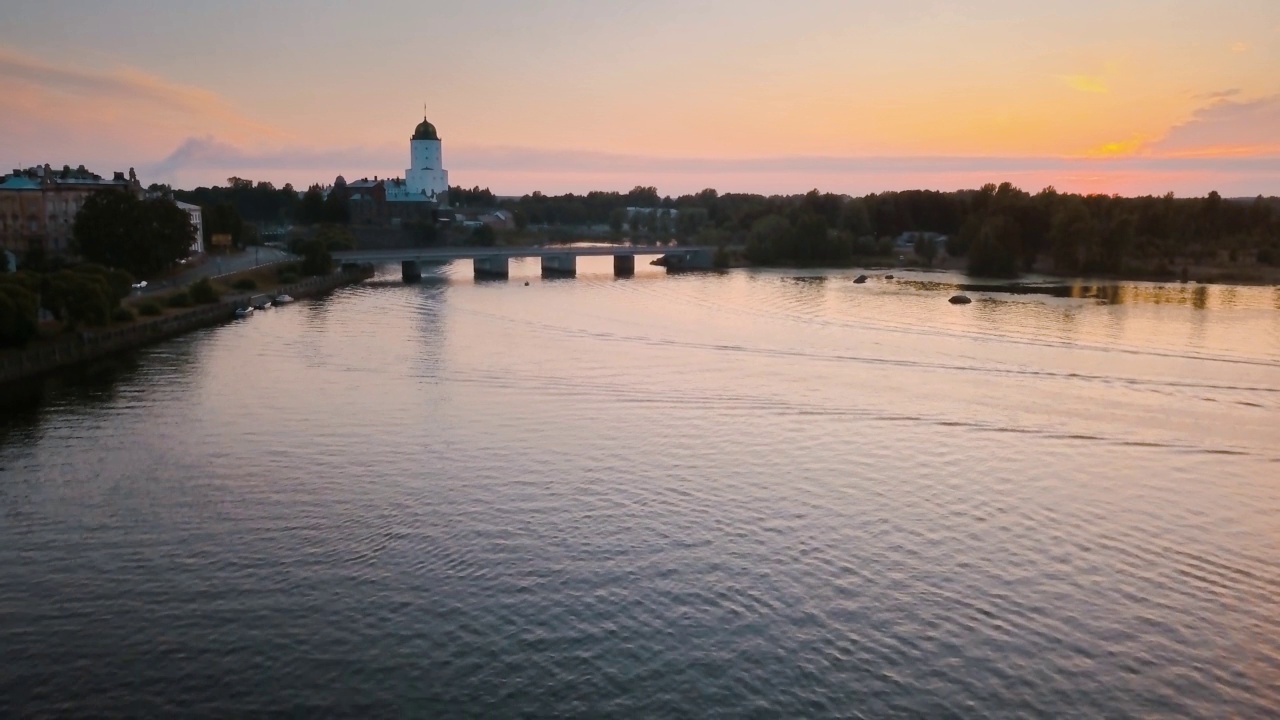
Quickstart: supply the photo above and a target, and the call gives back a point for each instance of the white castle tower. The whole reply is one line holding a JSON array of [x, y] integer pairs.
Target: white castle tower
[[426, 177]]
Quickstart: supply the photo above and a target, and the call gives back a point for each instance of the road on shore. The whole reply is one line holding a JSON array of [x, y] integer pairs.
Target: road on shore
[[219, 265]]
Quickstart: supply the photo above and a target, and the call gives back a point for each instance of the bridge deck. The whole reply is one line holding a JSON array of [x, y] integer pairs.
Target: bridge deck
[[440, 254]]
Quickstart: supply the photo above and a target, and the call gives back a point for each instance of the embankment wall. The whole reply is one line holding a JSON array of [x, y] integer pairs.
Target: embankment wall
[[93, 343]]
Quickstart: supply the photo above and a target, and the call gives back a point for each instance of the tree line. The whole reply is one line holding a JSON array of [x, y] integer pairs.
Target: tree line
[[1000, 229]]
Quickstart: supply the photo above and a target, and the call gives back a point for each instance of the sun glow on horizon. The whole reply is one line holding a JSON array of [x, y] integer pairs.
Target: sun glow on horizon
[[858, 79]]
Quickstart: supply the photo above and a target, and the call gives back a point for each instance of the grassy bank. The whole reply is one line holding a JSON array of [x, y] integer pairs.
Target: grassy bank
[[57, 349]]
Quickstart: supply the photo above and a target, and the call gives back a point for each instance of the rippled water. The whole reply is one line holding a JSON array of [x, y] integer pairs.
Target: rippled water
[[750, 494]]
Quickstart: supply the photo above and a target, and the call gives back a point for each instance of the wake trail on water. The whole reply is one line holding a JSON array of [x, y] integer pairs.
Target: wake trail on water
[[605, 336]]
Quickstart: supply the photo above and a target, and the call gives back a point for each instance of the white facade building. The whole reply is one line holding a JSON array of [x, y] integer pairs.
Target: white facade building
[[425, 180], [197, 245]]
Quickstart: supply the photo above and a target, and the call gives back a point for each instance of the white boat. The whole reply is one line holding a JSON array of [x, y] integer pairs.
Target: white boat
[[244, 312], [262, 305], [282, 299]]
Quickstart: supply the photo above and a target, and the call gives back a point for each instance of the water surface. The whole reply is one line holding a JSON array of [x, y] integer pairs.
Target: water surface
[[761, 493]]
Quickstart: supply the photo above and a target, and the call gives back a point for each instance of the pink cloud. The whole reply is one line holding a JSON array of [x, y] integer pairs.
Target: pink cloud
[[104, 116], [1227, 127]]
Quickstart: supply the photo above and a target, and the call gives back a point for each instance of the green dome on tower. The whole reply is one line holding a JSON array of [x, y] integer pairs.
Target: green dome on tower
[[425, 131]]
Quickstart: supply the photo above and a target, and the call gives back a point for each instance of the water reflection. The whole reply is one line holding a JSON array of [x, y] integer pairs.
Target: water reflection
[[1200, 297], [797, 496]]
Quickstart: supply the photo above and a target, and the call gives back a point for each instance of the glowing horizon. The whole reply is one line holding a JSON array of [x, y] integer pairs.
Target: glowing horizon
[[1143, 97]]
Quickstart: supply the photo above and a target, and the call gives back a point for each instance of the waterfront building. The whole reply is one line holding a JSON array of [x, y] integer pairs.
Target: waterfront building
[[38, 205], [197, 219], [422, 195], [425, 180]]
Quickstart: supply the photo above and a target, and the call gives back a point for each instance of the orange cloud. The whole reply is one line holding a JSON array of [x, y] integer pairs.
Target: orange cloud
[[1240, 47], [1121, 148]]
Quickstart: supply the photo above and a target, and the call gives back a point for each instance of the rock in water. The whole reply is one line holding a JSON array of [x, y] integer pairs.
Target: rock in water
[[860, 279], [888, 277], [960, 300]]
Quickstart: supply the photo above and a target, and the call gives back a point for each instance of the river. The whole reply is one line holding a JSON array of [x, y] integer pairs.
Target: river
[[758, 493]]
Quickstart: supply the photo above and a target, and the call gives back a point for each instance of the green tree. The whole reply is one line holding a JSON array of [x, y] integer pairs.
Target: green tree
[[996, 252], [926, 247], [18, 313], [316, 259], [617, 220], [642, 197], [336, 237], [202, 292], [119, 282], [78, 298], [770, 237], [691, 219], [812, 241], [662, 224], [336, 210], [855, 219], [223, 219], [142, 237], [1071, 229], [312, 210], [1113, 252]]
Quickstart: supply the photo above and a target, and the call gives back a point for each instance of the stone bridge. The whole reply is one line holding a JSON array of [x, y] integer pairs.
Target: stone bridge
[[492, 262]]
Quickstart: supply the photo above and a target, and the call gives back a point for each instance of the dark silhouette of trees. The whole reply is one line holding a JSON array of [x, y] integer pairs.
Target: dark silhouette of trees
[[997, 250], [142, 237], [336, 211], [223, 219], [475, 197], [257, 203], [316, 259], [484, 236], [1071, 233], [19, 309], [312, 210], [618, 220], [926, 246], [768, 236]]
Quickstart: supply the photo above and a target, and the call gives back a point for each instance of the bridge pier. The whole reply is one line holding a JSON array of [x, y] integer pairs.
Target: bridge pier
[[624, 265], [565, 265], [410, 271], [491, 268], [691, 259]]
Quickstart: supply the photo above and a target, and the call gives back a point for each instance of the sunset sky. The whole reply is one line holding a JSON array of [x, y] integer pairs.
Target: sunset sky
[[1121, 96]]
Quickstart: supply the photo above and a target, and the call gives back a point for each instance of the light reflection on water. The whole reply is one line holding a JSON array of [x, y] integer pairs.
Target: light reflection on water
[[757, 492]]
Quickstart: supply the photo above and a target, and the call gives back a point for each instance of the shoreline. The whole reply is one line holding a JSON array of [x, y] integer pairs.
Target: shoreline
[[19, 369], [1253, 276]]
